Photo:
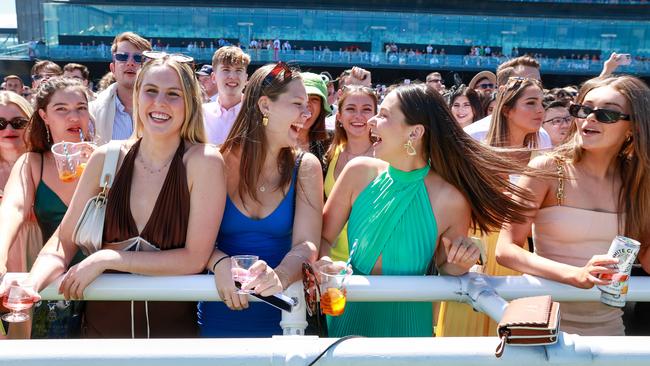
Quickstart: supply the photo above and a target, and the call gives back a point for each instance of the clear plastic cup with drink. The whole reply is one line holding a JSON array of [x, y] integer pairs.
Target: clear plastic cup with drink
[[240, 269], [85, 150], [333, 288], [67, 157]]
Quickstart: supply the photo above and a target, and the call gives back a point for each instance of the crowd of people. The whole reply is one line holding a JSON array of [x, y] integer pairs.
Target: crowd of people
[[294, 166]]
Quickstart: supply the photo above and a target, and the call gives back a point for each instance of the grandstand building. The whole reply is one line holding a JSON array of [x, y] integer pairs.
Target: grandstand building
[[396, 39]]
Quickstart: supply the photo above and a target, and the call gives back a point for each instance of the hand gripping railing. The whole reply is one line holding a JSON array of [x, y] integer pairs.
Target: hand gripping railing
[[482, 292]]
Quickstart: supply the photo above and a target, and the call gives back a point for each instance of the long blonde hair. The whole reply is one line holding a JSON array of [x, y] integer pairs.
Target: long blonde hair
[[508, 95], [633, 158], [192, 129], [7, 97]]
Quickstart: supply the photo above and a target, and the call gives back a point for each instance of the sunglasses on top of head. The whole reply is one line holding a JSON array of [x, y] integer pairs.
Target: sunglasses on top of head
[[602, 115], [280, 67], [124, 57], [17, 123]]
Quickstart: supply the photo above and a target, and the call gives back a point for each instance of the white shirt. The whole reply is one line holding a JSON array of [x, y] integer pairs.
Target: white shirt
[[123, 125], [218, 121], [479, 130]]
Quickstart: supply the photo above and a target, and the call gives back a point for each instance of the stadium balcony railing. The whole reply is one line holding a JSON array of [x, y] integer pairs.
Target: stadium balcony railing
[[484, 293], [346, 59]]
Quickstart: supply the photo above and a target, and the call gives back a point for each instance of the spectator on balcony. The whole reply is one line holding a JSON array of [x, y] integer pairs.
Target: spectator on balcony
[[14, 83], [411, 210], [465, 105], [229, 66], [276, 49], [524, 67], [313, 135], [434, 80], [273, 206], [357, 105], [605, 158], [113, 107], [162, 214], [43, 70], [557, 121], [34, 190], [207, 82], [485, 82]]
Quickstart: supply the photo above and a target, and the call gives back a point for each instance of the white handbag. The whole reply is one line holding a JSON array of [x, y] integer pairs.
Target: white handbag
[[89, 231]]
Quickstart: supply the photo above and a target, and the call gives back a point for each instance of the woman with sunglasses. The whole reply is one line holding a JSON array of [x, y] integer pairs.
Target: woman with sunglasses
[[356, 105], [608, 158], [162, 214], [413, 208], [14, 115], [273, 207], [34, 186], [557, 121], [465, 105]]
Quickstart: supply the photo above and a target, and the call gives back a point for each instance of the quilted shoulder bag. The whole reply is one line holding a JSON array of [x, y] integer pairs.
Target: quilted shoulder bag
[[88, 233]]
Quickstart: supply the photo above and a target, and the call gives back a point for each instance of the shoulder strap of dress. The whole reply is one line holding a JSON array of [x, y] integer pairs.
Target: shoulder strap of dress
[[296, 176], [40, 178], [561, 176]]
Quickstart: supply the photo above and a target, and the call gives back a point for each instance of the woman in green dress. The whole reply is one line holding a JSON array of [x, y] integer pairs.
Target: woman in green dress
[[415, 205]]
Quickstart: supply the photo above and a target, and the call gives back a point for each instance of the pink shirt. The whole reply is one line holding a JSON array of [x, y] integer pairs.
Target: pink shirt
[[218, 121]]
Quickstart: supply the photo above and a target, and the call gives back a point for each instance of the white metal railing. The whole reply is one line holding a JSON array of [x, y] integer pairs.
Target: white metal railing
[[476, 289]]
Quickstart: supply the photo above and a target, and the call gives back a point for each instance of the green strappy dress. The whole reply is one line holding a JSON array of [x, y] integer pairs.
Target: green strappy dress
[[391, 217]]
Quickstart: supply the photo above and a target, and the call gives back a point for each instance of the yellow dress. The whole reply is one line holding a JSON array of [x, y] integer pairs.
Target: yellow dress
[[460, 320], [339, 251]]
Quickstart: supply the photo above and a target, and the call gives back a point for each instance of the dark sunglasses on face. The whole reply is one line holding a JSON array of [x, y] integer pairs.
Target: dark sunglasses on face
[[17, 123], [486, 86], [602, 115], [124, 57]]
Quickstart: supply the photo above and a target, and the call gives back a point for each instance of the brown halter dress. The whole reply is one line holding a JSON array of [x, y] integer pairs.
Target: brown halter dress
[[166, 229]]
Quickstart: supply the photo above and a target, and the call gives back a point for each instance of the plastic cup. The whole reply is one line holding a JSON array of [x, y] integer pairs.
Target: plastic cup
[[66, 156], [332, 289], [85, 150], [240, 270]]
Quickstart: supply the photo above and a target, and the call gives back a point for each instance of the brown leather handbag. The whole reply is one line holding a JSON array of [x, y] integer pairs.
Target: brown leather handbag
[[529, 321]]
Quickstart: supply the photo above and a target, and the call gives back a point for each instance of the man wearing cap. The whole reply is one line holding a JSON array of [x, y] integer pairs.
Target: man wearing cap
[[229, 66], [208, 85], [313, 136], [483, 83]]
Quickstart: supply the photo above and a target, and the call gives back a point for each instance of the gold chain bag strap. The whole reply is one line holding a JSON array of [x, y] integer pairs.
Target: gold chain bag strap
[[88, 233], [529, 321]]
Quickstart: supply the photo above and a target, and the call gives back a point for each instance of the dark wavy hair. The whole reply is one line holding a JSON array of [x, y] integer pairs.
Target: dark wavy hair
[[36, 134], [476, 170], [472, 96]]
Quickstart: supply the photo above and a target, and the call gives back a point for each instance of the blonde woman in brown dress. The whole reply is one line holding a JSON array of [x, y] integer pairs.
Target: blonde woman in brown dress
[[163, 213]]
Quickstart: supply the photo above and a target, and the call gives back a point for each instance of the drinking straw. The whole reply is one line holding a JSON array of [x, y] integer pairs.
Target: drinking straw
[[347, 264]]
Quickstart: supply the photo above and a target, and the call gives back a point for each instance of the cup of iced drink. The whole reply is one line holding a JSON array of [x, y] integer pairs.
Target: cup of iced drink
[[85, 150], [332, 289], [67, 157]]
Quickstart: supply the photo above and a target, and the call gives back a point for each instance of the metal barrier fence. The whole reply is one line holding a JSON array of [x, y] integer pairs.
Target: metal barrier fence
[[479, 290]]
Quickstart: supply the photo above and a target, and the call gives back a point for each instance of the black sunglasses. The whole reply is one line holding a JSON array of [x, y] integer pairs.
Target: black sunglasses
[[602, 115], [17, 123], [486, 86], [279, 67], [124, 57]]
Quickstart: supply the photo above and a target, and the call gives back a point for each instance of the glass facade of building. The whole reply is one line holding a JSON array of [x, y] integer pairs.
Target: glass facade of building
[[587, 36]]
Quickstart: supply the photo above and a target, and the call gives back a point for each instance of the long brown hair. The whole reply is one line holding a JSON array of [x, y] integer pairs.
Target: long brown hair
[[633, 159], [474, 169], [340, 138], [247, 133], [499, 132], [36, 135]]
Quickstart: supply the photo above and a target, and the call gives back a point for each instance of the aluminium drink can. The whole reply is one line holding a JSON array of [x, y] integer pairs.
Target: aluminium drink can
[[625, 250]]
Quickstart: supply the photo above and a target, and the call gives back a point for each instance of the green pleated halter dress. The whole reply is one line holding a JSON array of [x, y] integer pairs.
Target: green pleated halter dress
[[391, 217]]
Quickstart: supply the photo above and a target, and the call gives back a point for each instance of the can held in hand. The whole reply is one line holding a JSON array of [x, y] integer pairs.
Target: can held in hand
[[625, 250]]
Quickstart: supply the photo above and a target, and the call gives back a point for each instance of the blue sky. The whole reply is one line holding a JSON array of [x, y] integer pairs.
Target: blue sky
[[7, 14]]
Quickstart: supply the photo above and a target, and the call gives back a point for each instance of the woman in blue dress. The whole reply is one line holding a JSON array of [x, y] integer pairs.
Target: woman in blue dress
[[274, 205]]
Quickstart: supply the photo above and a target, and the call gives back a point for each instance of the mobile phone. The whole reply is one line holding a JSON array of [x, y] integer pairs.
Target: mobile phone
[[624, 59], [279, 301]]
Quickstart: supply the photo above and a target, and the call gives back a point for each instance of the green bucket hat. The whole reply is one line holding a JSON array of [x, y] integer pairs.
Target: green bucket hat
[[315, 85]]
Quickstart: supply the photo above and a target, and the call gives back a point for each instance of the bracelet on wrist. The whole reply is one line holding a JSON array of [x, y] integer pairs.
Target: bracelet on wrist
[[214, 266]]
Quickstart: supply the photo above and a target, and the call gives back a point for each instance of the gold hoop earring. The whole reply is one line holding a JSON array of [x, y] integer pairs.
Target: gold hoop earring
[[265, 121], [410, 150]]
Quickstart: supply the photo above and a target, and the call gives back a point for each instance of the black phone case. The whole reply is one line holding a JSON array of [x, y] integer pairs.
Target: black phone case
[[279, 301]]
